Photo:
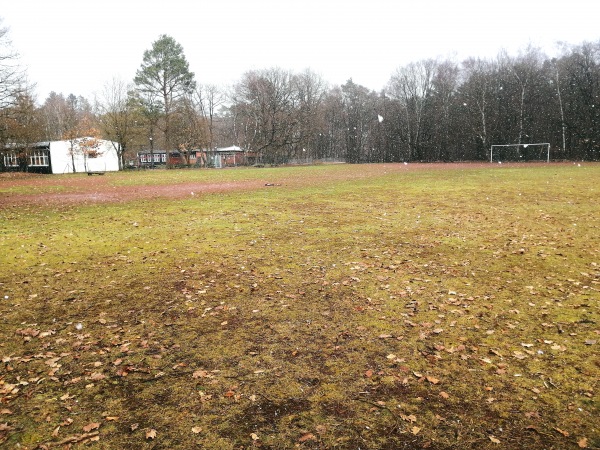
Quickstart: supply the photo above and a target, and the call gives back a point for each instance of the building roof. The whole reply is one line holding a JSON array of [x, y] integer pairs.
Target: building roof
[[46, 144], [233, 148]]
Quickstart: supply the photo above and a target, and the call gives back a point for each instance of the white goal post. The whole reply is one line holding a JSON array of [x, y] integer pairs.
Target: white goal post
[[518, 151]]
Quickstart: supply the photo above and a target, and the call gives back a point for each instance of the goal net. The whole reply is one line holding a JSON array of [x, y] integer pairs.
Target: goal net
[[520, 152]]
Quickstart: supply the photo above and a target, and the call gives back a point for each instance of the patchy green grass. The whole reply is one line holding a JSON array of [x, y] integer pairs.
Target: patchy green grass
[[419, 309]]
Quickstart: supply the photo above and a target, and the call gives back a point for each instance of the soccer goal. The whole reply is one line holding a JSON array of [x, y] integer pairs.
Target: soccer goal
[[520, 152]]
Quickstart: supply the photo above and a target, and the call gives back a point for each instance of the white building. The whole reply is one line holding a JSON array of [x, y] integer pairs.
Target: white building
[[80, 155]]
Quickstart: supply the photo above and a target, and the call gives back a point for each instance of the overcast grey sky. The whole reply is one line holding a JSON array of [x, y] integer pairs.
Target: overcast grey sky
[[77, 46]]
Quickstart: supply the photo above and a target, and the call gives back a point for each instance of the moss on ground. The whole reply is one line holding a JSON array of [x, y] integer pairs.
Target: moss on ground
[[427, 309]]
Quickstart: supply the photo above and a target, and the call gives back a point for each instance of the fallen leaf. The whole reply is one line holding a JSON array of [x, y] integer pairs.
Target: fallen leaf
[[151, 434], [6, 411], [432, 380], [254, 437], [91, 426], [196, 430], [494, 439], [444, 395], [415, 430], [369, 373], [200, 374], [55, 432], [412, 418], [582, 443], [321, 429], [307, 437], [563, 432], [134, 426], [112, 418]]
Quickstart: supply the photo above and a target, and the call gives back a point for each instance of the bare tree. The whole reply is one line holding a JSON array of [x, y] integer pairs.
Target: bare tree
[[58, 115], [563, 124], [412, 85], [13, 87], [359, 121], [117, 116], [310, 91], [12, 77], [62, 114], [208, 98], [264, 108], [478, 92], [581, 92], [445, 84]]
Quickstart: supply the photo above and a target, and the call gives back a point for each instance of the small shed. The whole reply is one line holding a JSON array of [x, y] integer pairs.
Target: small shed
[[230, 157]]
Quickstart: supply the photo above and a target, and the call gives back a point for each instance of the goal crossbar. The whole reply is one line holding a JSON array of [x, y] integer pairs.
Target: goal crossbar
[[547, 144]]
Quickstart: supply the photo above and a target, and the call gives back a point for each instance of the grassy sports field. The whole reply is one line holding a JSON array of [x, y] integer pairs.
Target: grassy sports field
[[347, 306]]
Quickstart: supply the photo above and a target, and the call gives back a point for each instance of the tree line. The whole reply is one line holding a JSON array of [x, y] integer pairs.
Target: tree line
[[431, 110]]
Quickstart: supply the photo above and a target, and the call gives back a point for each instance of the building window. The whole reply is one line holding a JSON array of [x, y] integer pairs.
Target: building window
[[38, 158], [164, 157], [10, 160], [143, 158]]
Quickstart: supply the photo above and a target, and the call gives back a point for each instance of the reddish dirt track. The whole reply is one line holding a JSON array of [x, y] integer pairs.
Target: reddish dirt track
[[99, 189], [82, 191]]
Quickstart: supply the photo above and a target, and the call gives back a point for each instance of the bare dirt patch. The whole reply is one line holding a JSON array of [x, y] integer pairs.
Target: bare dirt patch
[[73, 190]]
